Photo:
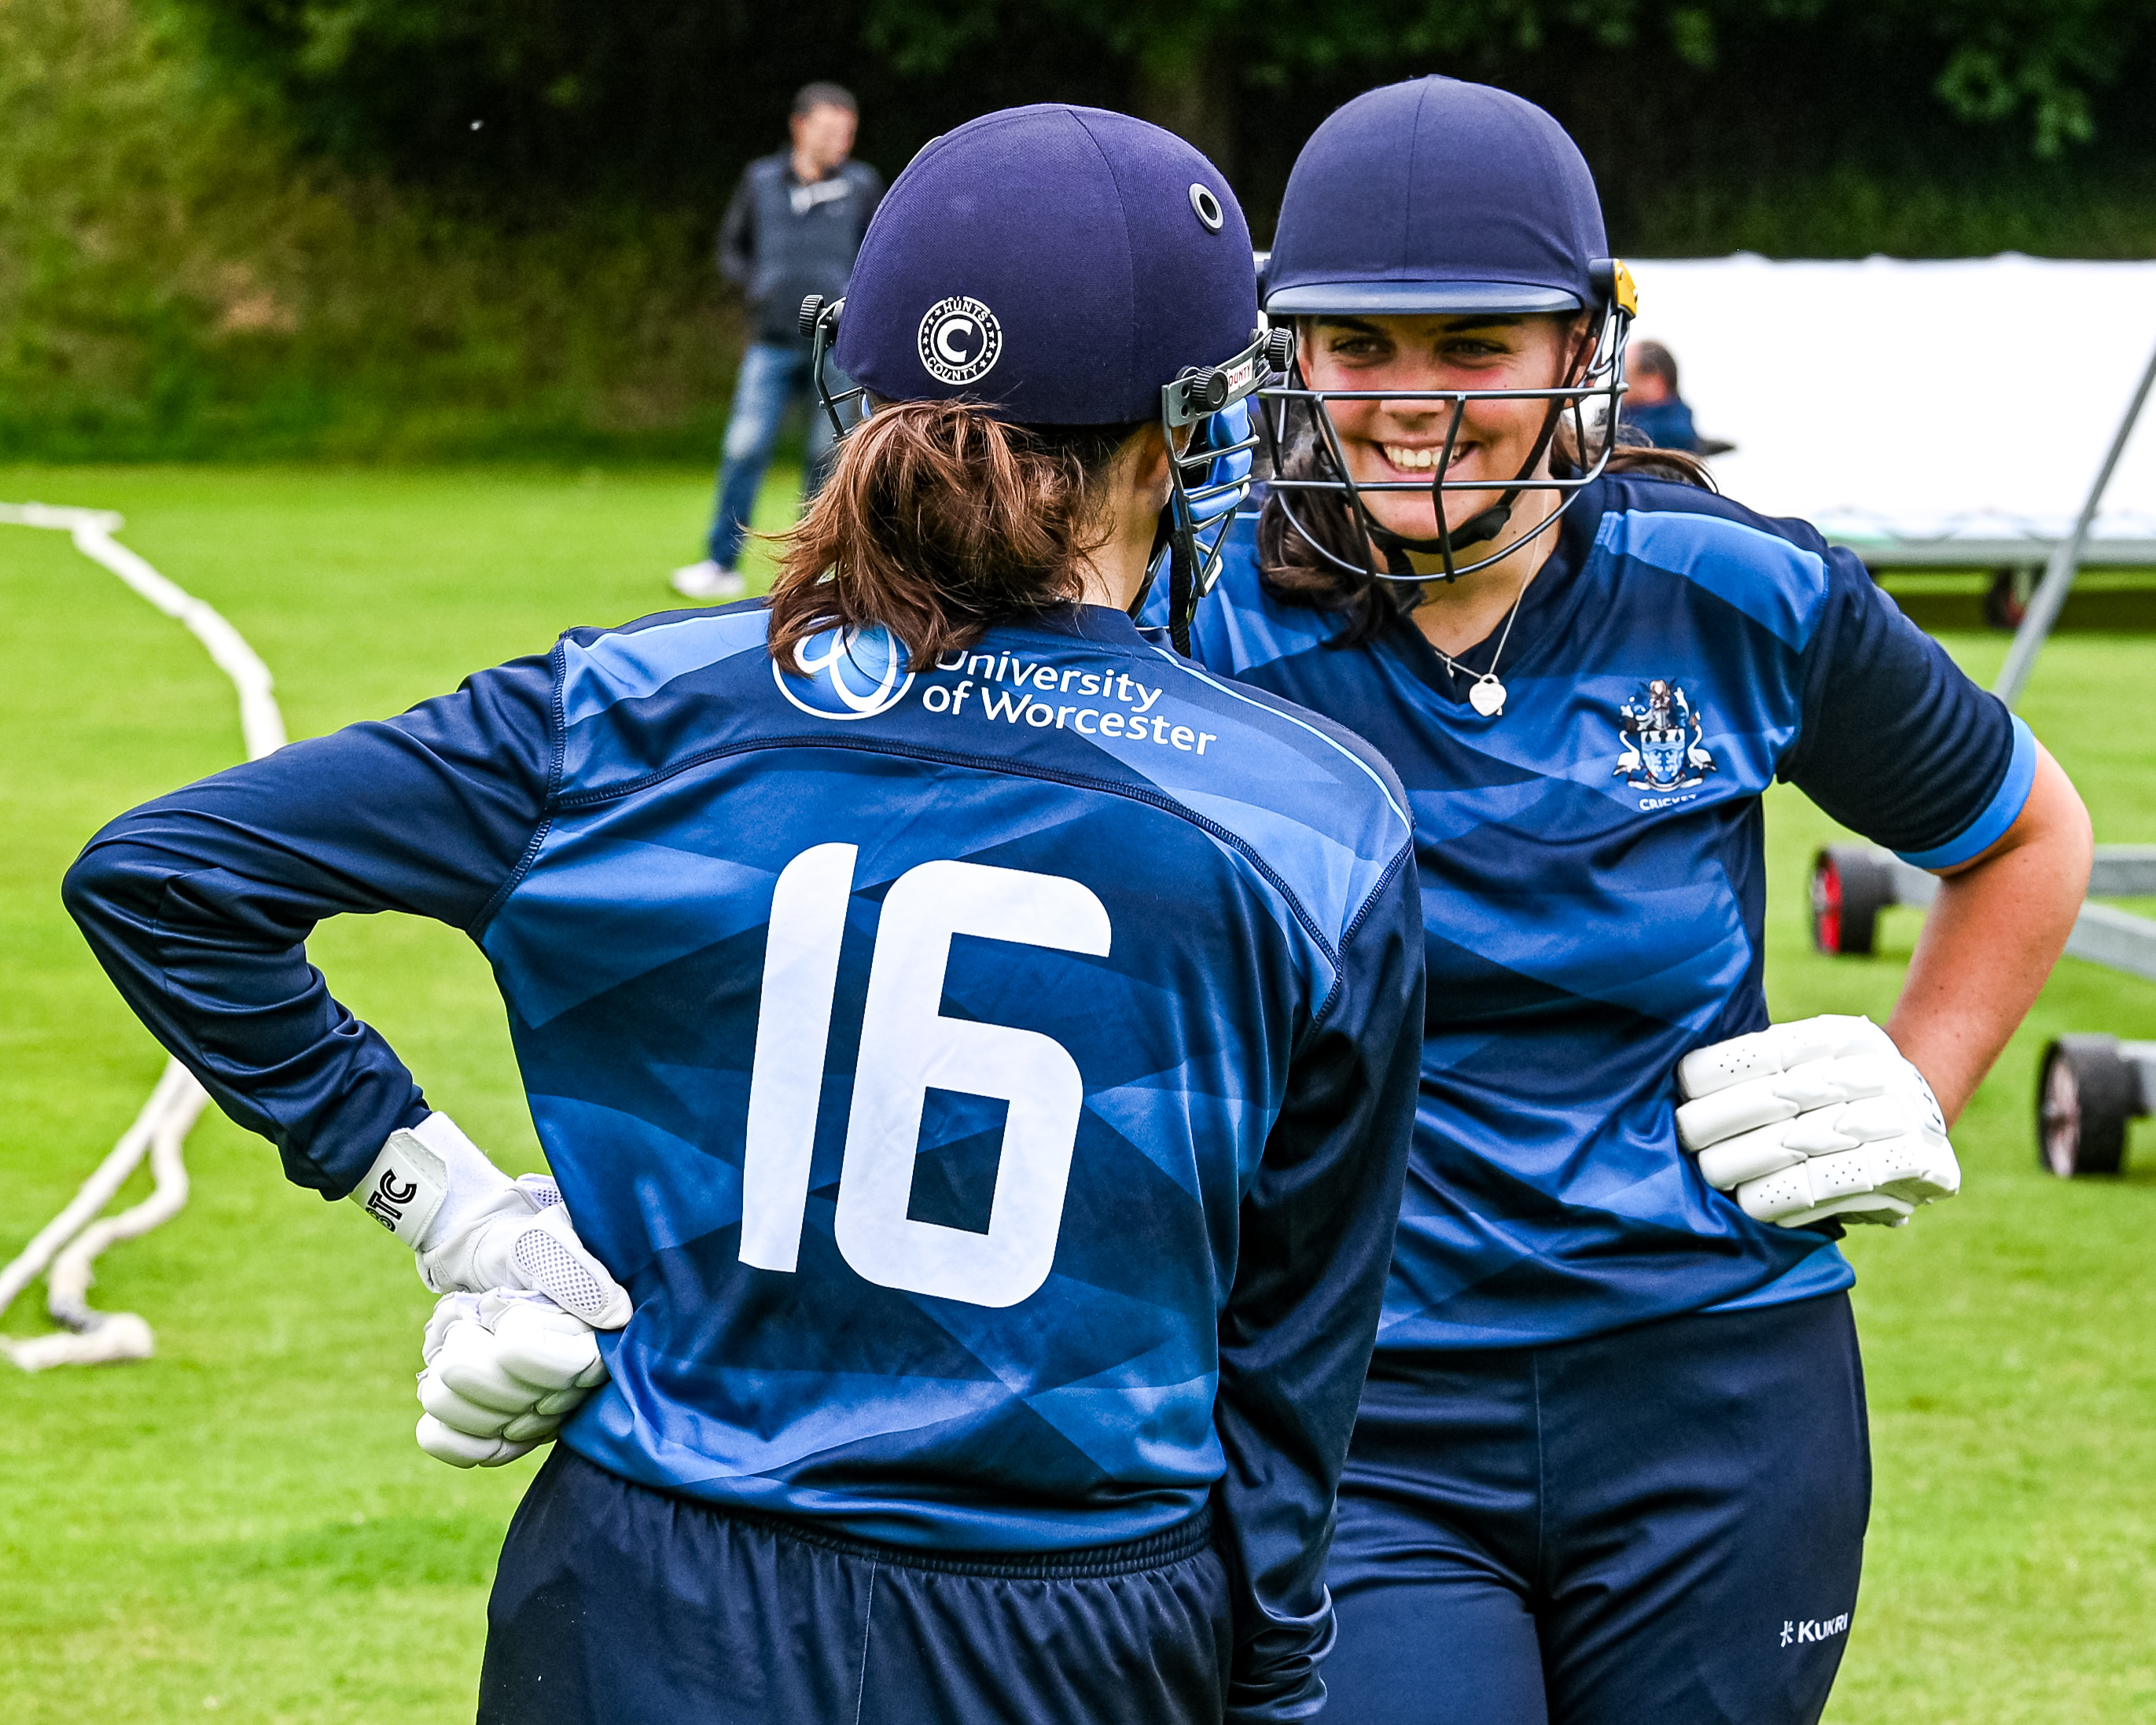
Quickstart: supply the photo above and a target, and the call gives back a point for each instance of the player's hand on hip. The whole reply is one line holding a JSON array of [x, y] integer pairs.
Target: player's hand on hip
[[504, 1370], [476, 1231], [1815, 1118]]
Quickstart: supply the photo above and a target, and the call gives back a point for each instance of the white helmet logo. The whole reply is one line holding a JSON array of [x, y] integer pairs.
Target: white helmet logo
[[960, 340]]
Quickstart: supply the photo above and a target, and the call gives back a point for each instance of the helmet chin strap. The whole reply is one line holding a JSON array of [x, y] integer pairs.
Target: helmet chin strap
[[1477, 529], [1182, 582]]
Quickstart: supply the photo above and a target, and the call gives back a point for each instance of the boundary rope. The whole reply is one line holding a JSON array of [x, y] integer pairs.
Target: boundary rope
[[66, 1247]]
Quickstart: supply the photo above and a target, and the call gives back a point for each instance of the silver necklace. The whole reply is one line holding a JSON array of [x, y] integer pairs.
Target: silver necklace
[[1485, 694]]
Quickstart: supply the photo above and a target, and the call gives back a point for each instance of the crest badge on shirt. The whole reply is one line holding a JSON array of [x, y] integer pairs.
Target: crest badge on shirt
[[1661, 732]]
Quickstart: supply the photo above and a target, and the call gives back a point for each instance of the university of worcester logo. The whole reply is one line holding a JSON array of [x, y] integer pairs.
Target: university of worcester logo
[[1661, 730], [845, 674]]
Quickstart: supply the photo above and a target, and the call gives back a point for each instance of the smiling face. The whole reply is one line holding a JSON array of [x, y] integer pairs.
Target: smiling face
[[1403, 439]]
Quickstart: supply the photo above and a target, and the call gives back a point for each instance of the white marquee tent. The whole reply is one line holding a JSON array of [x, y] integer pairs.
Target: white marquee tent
[[1922, 412]]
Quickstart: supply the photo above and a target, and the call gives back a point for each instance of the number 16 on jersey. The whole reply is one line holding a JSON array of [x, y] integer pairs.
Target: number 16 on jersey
[[907, 1048]]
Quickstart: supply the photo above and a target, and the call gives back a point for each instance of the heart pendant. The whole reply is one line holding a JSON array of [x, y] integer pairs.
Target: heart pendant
[[1487, 696]]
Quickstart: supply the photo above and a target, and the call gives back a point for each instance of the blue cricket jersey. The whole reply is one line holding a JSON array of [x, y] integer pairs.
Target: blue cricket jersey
[[1593, 882], [991, 1083]]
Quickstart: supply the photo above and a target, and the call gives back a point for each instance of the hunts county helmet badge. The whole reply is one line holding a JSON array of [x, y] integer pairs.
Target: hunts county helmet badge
[[1662, 731]]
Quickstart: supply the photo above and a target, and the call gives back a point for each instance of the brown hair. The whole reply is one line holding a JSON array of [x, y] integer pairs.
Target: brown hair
[[820, 95], [1294, 572], [1657, 361], [939, 520]]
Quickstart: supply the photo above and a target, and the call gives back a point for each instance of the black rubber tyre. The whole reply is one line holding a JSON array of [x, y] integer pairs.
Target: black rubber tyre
[[1850, 885], [2001, 610], [2087, 1091]]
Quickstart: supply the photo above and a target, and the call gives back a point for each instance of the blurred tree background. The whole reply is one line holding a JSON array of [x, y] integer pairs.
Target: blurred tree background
[[482, 227]]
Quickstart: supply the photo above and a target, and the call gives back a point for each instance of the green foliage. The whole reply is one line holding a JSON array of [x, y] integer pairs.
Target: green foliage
[[652, 102], [415, 228], [577, 95], [2032, 61], [1808, 117], [1846, 212], [173, 280]]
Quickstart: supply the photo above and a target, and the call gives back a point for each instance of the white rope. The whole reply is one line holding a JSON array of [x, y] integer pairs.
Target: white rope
[[70, 1242]]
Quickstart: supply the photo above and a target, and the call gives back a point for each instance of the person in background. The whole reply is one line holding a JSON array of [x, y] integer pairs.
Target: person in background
[[1654, 408], [794, 225]]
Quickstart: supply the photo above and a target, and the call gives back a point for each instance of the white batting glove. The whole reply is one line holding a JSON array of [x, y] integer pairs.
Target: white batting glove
[[1815, 1118], [476, 1231], [504, 1370]]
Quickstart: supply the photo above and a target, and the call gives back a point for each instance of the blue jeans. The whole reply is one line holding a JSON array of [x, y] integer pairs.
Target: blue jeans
[[772, 375]]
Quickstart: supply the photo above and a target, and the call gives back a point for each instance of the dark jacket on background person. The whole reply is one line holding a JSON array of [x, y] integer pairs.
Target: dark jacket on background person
[[783, 241], [1666, 424]]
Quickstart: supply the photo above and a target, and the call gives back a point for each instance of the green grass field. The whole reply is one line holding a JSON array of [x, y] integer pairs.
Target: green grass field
[[244, 1527]]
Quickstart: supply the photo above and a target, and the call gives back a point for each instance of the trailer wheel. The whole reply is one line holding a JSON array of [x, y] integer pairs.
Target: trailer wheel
[[1850, 885], [2002, 607], [2085, 1093]]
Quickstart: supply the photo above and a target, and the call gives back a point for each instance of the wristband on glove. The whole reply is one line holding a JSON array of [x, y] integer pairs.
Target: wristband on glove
[[405, 1188]]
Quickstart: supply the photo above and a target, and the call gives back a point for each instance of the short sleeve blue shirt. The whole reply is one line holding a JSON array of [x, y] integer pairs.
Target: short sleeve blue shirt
[[1593, 884]]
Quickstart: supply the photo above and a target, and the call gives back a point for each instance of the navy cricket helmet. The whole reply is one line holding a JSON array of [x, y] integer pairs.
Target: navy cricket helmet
[[1057, 265], [1437, 197]]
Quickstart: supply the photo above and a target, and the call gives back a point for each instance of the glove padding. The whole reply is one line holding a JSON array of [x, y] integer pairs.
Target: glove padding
[[520, 1236], [475, 1231], [1229, 477], [504, 1369], [1816, 1118]]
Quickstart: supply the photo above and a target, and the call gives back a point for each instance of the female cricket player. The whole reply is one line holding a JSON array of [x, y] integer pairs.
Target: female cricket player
[[1611, 1464], [974, 1044]]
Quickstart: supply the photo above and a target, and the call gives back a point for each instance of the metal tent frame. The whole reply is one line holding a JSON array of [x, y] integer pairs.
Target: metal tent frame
[[2089, 1087]]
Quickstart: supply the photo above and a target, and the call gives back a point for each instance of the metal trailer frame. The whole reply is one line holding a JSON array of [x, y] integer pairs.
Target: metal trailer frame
[[2088, 1086], [2066, 558], [2031, 555], [2015, 564], [2060, 560]]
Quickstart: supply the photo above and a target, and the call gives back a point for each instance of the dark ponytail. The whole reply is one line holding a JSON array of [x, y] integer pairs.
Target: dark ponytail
[[939, 520]]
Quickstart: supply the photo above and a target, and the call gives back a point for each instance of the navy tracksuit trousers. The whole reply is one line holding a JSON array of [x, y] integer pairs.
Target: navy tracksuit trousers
[[615, 1604], [1660, 1526]]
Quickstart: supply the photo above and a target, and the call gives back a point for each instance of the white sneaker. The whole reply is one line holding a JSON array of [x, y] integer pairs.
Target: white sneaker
[[707, 581]]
